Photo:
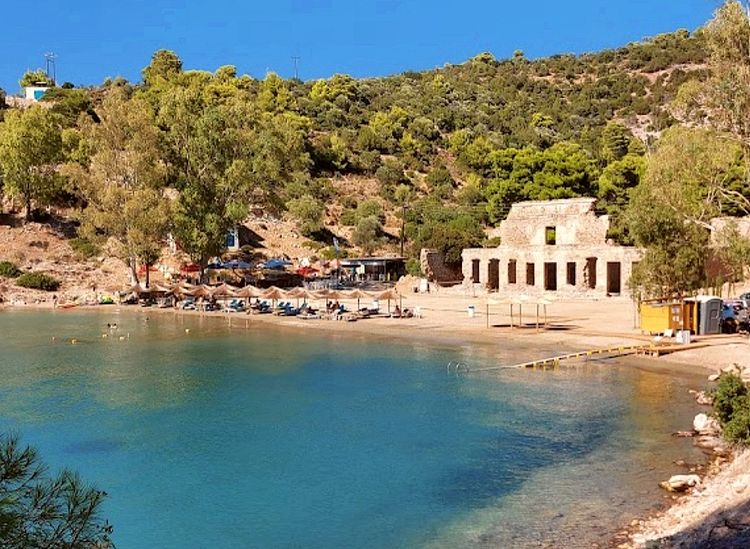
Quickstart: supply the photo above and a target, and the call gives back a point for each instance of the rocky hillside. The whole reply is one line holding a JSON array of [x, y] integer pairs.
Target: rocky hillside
[[442, 152]]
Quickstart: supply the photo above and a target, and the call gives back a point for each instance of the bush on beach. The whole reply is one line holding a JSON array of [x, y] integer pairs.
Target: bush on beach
[[732, 408]]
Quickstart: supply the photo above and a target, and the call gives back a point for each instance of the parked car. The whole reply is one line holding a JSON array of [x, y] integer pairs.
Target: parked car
[[740, 313], [729, 323]]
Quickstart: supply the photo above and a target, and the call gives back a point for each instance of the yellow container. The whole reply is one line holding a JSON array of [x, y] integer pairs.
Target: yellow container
[[656, 317]]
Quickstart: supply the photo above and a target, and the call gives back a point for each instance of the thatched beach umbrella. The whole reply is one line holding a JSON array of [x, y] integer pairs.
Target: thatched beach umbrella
[[200, 291], [323, 294], [358, 294], [137, 289], [297, 293], [308, 295], [249, 291], [326, 294], [388, 295], [224, 290], [182, 288], [336, 295], [162, 288], [274, 294]]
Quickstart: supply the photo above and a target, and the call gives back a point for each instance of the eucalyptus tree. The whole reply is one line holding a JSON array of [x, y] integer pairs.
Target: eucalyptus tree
[[121, 180], [30, 153], [671, 209], [230, 143]]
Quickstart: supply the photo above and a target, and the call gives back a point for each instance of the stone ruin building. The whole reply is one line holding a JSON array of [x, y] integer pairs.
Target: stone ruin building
[[556, 246]]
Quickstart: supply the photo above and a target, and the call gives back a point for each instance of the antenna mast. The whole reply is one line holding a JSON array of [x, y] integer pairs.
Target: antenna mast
[[51, 71], [295, 59]]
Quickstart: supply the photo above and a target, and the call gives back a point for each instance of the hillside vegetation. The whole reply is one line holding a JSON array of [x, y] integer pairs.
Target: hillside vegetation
[[446, 151]]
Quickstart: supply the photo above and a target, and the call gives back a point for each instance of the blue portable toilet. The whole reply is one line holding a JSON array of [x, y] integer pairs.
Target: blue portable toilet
[[709, 314]]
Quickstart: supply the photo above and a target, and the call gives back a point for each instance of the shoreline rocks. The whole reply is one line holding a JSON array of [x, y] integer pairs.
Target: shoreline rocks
[[680, 483], [702, 398], [705, 425]]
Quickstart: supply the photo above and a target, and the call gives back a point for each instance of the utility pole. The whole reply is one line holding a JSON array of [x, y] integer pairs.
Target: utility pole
[[295, 60], [51, 71], [403, 226]]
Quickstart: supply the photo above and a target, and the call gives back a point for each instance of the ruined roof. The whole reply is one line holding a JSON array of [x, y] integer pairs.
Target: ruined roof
[[573, 220], [563, 206]]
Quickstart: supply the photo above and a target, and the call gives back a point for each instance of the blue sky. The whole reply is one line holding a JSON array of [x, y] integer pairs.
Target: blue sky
[[96, 39]]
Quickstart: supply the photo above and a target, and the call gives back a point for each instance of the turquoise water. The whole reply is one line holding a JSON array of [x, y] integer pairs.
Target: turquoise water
[[235, 436]]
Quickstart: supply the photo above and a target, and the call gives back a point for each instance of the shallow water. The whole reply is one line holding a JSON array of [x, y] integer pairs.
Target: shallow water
[[230, 437]]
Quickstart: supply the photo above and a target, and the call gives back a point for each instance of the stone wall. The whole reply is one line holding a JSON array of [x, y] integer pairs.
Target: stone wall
[[585, 271], [573, 220], [558, 247], [432, 264]]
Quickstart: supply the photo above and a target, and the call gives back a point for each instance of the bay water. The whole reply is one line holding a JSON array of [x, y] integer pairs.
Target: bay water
[[210, 434]]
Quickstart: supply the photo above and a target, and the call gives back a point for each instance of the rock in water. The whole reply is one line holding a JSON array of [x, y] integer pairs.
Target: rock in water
[[680, 483], [702, 398], [705, 425]]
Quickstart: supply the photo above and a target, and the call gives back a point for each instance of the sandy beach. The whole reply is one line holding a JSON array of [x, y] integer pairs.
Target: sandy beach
[[571, 325]]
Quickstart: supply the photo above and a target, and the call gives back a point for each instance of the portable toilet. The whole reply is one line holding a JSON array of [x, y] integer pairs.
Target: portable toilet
[[709, 314]]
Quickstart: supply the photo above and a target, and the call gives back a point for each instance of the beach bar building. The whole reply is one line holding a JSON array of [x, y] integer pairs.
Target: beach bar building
[[383, 269], [555, 246]]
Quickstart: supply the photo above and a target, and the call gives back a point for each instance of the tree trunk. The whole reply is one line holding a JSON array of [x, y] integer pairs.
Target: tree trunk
[[201, 264], [133, 272], [28, 208], [148, 268]]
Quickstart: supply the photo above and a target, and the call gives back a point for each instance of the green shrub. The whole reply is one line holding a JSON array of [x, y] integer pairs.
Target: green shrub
[[737, 429], [83, 248], [331, 253], [414, 267], [349, 217], [727, 394], [313, 245], [38, 281], [493, 242], [9, 270], [732, 408], [309, 212]]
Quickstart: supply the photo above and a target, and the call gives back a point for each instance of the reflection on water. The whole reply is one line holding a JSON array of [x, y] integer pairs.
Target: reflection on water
[[262, 437]]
